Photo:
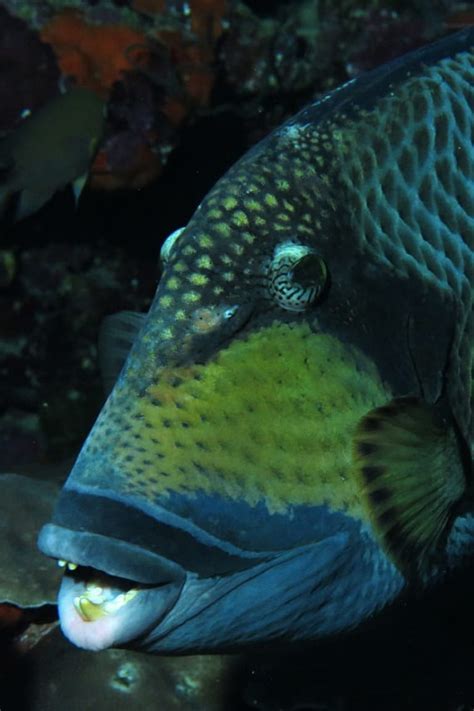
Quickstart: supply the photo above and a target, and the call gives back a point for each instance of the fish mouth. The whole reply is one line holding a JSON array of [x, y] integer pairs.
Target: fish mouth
[[112, 592], [98, 611]]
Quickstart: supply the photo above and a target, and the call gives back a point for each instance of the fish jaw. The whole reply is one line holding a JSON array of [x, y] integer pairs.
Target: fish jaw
[[113, 591], [127, 614]]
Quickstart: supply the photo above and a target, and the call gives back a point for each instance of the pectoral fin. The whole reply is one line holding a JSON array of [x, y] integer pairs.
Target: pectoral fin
[[116, 337], [410, 461]]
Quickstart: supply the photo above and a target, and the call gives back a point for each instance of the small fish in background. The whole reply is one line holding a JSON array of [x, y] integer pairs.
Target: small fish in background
[[48, 150], [288, 446]]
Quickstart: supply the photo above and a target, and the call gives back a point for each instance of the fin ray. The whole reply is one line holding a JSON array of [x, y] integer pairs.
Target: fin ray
[[116, 336], [409, 460]]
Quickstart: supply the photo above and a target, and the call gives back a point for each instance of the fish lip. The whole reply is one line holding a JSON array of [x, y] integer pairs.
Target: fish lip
[[113, 556], [124, 627]]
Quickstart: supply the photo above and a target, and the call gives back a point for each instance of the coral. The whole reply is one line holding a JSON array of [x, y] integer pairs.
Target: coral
[[138, 134], [175, 61], [95, 55], [155, 79], [190, 32], [273, 56], [124, 161]]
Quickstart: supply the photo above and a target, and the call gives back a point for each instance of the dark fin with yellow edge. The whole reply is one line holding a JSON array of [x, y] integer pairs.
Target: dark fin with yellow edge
[[116, 337], [410, 460]]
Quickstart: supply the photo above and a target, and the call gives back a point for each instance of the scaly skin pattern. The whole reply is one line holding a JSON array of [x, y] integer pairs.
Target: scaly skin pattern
[[226, 446]]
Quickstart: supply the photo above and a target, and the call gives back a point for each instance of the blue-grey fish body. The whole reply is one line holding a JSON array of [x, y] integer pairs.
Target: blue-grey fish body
[[289, 445]]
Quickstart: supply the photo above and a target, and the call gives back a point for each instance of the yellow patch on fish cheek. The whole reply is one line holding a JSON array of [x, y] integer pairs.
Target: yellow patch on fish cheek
[[268, 420]]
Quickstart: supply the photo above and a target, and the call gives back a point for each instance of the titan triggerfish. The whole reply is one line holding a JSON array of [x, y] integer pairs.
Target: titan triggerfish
[[288, 445]]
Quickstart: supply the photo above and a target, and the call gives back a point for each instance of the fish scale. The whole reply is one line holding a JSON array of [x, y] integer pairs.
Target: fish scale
[[412, 201], [401, 199]]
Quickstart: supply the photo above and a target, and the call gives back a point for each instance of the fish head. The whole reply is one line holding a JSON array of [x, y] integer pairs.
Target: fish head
[[222, 456]]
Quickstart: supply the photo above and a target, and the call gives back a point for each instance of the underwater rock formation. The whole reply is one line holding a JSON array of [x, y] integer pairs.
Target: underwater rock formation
[[26, 579], [162, 64]]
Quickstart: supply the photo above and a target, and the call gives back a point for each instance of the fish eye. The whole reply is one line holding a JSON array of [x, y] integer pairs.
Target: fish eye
[[296, 276], [167, 246]]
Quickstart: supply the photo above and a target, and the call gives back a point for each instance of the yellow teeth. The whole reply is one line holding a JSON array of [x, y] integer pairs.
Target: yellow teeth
[[65, 563], [88, 610], [92, 605], [95, 594]]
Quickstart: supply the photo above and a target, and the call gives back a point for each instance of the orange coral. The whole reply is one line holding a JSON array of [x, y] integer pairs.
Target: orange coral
[[193, 61], [193, 53], [144, 167], [191, 43], [98, 55], [95, 55]]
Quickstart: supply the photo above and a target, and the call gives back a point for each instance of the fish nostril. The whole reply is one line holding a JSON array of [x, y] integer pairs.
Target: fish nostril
[[207, 319]]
